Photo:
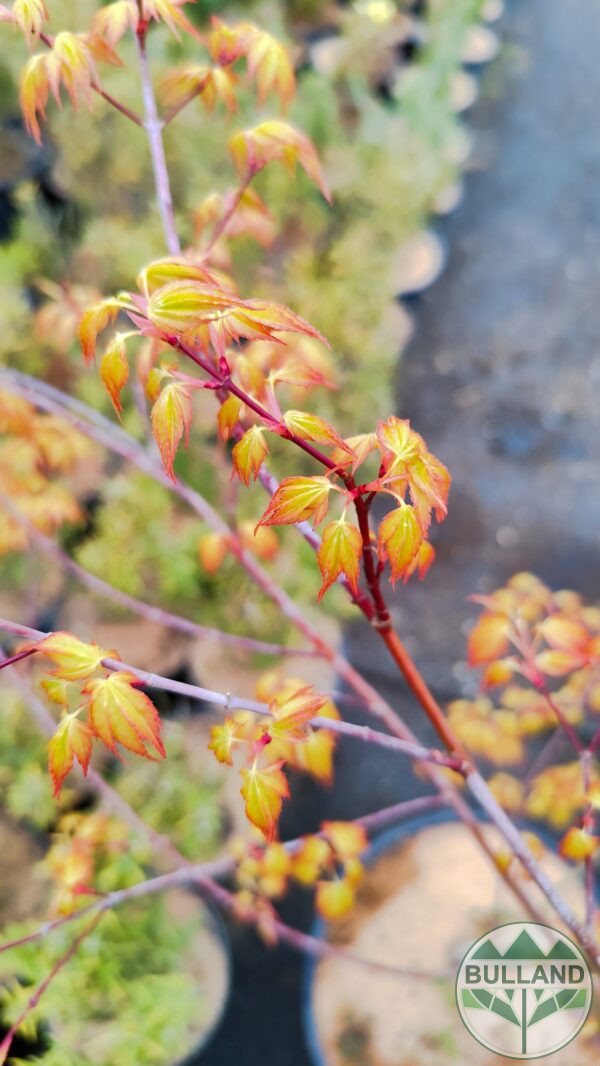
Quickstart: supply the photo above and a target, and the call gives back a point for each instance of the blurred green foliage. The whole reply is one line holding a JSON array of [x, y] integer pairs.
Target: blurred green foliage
[[128, 996], [137, 998], [180, 796]]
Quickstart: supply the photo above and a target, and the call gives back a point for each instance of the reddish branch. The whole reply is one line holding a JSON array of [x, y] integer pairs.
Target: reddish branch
[[114, 438], [139, 607]]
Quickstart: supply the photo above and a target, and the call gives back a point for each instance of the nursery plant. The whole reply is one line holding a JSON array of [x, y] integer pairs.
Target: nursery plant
[[194, 348]]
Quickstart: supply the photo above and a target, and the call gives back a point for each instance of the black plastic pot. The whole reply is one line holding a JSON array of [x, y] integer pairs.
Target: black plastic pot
[[219, 928]]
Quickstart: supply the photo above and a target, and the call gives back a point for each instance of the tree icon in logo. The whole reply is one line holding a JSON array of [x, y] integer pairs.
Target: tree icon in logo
[[524, 990]]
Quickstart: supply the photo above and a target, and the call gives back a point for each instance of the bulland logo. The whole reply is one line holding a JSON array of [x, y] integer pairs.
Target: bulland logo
[[524, 990]]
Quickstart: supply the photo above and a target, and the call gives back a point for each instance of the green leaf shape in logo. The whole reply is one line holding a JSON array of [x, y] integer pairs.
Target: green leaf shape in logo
[[566, 999], [484, 1000]]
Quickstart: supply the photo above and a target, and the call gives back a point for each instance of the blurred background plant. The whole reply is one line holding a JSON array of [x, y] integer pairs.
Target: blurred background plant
[[151, 978], [375, 96]]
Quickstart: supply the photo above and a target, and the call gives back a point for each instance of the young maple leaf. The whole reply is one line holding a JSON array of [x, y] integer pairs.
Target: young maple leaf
[[262, 542], [293, 711], [48, 510], [114, 370], [30, 16], [429, 483], [269, 66], [348, 839], [400, 538], [213, 315], [34, 91], [171, 420], [212, 550], [167, 11], [71, 64], [564, 633], [556, 662], [396, 436], [263, 791], [251, 218], [222, 739], [249, 453], [161, 272], [488, 639], [297, 498], [356, 450], [334, 899], [315, 755], [121, 714], [182, 306], [93, 321], [577, 844], [226, 43], [72, 740], [421, 562], [228, 416], [113, 21], [311, 427], [57, 690], [275, 140], [311, 857], [339, 553], [74, 659], [211, 84]]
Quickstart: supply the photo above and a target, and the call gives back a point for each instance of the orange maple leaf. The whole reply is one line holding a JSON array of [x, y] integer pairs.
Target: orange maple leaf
[[339, 553], [72, 740], [263, 791], [121, 714]]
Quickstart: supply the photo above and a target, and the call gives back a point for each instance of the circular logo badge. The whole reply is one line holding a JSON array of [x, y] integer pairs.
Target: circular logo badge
[[524, 990]]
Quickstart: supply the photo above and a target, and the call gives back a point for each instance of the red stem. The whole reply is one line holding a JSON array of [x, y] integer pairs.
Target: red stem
[[16, 658]]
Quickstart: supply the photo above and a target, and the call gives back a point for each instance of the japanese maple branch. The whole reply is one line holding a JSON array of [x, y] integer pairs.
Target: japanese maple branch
[[233, 703], [153, 126], [588, 822], [393, 642], [115, 439], [185, 100], [229, 212], [186, 873], [139, 607]]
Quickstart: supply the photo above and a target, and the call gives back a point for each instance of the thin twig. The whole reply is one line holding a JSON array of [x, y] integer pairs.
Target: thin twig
[[238, 703], [187, 99], [117, 440], [145, 610], [39, 992], [153, 126], [588, 821], [222, 224]]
